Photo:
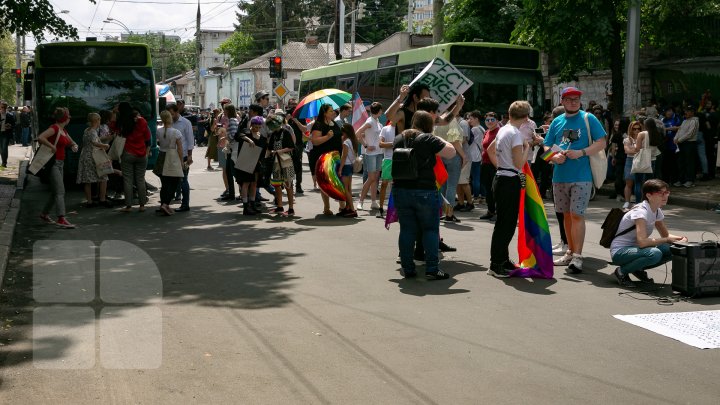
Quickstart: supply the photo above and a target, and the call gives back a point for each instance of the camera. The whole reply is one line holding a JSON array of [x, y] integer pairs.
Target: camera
[[540, 131], [571, 134]]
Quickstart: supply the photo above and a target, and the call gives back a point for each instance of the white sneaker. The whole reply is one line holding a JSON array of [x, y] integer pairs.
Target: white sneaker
[[359, 206], [575, 266], [565, 260], [559, 249], [626, 206], [374, 206]]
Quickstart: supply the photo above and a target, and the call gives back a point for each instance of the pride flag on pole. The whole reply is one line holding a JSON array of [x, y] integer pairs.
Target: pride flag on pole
[[534, 245], [359, 115], [550, 153]]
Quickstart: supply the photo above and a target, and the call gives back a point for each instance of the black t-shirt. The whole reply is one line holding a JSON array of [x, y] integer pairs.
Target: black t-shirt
[[298, 134], [334, 143], [425, 147]]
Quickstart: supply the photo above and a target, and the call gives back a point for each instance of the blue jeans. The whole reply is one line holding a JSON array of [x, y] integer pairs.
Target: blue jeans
[[26, 136], [639, 180], [418, 212], [449, 189], [632, 259], [701, 153], [475, 184], [185, 187]]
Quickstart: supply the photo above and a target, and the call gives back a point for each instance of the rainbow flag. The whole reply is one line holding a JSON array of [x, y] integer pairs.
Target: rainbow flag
[[441, 176], [359, 115], [534, 245], [550, 153]]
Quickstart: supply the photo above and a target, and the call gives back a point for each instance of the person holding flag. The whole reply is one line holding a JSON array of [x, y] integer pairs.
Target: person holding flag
[[508, 153]]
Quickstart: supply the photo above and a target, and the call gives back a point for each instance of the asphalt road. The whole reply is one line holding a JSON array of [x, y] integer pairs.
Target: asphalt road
[[313, 310]]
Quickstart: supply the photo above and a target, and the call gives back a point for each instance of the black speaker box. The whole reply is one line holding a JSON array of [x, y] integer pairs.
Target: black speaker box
[[696, 268]]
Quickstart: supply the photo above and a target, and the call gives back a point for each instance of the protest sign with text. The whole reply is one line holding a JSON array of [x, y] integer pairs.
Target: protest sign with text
[[445, 81]]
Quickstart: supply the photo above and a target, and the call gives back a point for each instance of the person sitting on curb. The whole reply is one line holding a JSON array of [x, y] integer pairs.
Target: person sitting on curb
[[633, 249]]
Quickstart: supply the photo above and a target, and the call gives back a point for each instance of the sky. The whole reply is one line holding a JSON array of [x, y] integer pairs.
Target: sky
[[174, 17]]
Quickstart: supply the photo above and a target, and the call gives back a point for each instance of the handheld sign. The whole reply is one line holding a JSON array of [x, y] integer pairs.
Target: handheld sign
[[445, 81]]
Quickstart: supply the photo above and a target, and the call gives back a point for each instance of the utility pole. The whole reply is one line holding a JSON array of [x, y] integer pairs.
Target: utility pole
[[338, 20], [18, 65], [411, 7], [632, 56], [352, 29], [163, 52], [278, 41], [198, 49], [438, 23], [341, 28]]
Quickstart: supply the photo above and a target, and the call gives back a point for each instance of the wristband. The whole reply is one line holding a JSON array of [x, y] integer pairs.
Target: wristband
[[584, 153]]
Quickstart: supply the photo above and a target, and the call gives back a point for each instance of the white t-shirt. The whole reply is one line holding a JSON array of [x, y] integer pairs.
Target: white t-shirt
[[476, 146], [372, 136], [350, 158], [640, 211], [167, 138], [387, 134], [507, 138]]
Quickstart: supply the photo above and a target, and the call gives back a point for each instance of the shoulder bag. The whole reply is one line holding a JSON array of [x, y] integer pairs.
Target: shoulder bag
[[172, 166], [598, 161], [103, 164], [117, 148], [44, 157], [642, 162]]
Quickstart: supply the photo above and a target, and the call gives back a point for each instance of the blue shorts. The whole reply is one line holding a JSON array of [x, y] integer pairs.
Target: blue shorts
[[373, 163], [221, 158], [347, 170], [627, 172]]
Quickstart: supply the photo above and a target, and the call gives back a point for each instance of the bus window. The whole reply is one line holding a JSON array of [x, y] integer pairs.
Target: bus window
[[329, 83], [366, 85], [347, 84], [405, 77], [385, 86]]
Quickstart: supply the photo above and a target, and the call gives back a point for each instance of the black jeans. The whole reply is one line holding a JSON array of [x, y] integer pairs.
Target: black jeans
[[4, 143], [507, 198], [297, 164], [229, 168], [487, 176], [168, 187], [686, 161]]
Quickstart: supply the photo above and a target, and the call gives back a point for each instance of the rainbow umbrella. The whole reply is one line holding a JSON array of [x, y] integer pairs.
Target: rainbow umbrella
[[309, 106]]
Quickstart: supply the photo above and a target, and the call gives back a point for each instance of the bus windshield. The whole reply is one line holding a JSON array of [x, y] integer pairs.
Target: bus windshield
[[494, 90], [92, 90]]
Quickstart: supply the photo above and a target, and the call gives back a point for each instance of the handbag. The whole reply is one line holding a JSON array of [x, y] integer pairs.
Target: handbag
[[358, 164], [285, 160], [117, 148], [103, 164], [642, 162], [44, 158], [172, 166], [598, 161]]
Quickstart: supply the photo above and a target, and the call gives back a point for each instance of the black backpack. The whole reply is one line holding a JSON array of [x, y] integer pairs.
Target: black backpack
[[611, 225], [404, 166]]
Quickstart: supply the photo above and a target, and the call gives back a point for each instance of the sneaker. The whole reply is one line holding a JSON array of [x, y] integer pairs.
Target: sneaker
[[46, 218], [458, 207], [677, 184], [498, 271], [575, 266], [619, 199], [444, 247], [488, 215], [63, 223], [350, 214], [374, 206], [279, 210], [299, 191], [437, 275], [559, 249], [564, 260], [451, 218], [626, 206], [623, 279], [408, 273], [342, 212], [359, 206], [291, 211], [643, 277], [688, 184], [380, 214]]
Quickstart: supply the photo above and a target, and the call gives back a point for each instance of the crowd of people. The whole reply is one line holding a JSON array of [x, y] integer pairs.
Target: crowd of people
[[483, 155]]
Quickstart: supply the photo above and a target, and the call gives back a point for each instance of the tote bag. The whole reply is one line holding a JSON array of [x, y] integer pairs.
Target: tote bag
[[43, 156], [172, 166], [598, 161], [117, 148], [642, 162], [103, 164]]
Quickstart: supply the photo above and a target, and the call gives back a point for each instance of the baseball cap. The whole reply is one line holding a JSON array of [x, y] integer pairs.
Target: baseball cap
[[260, 94], [570, 91], [225, 101]]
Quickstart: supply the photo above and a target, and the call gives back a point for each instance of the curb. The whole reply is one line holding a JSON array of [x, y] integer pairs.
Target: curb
[[7, 229], [688, 202]]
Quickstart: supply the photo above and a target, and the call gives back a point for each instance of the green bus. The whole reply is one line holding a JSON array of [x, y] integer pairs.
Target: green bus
[[501, 74], [89, 77]]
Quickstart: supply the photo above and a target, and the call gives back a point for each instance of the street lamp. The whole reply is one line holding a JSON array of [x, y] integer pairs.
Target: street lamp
[[111, 20]]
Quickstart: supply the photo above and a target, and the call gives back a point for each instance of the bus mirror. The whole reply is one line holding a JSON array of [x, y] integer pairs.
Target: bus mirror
[[162, 104], [27, 89]]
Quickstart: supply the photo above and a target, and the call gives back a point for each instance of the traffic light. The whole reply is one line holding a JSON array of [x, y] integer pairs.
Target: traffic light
[[275, 67], [18, 75], [361, 10]]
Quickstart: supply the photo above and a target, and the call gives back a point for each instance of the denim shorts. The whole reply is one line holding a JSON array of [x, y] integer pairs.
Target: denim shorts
[[221, 158], [627, 171], [373, 163], [347, 170]]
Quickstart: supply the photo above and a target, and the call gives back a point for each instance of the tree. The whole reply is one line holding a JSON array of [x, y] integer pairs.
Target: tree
[[237, 47], [7, 77], [33, 17], [178, 57], [487, 20], [681, 28], [382, 19]]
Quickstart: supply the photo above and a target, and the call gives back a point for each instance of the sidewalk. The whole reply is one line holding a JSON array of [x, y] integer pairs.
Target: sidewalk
[[10, 194], [704, 196]]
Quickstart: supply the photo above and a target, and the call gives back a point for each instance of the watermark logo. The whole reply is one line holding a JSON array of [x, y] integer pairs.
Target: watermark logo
[[95, 304]]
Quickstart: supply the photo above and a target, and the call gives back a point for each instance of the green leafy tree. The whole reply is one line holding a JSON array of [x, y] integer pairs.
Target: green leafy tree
[[7, 78], [486, 20], [382, 19], [238, 47], [681, 27], [177, 57], [33, 17]]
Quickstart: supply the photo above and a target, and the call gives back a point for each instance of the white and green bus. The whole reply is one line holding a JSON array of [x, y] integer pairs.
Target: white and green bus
[[501, 74]]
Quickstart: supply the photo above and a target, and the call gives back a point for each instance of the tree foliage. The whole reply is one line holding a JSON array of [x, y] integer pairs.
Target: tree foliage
[[179, 57], [487, 20], [681, 27], [382, 19], [237, 47], [33, 17], [7, 77]]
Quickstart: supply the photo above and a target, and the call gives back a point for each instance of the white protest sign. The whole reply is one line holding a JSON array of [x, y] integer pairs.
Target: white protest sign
[[445, 81]]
